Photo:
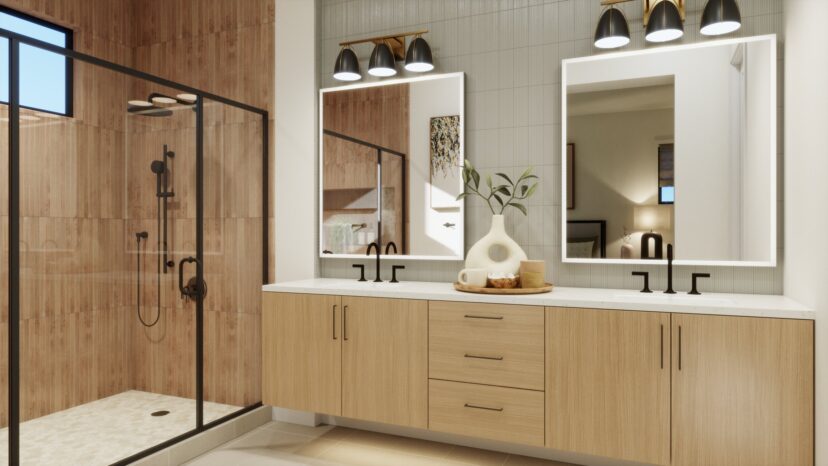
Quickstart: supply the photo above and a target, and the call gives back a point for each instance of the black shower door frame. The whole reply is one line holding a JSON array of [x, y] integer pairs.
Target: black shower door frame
[[15, 40]]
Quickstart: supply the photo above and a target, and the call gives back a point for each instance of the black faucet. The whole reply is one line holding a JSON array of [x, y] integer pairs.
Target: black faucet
[[646, 276], [669, 289], [696, 276], [389, 245], [368, 253]]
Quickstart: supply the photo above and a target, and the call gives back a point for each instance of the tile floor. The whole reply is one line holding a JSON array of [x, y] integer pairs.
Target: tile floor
[[106, 430], [282, 444]]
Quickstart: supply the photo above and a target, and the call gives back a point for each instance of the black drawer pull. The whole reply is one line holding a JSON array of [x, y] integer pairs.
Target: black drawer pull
[[469, 316], [482, 407], [492, 358]]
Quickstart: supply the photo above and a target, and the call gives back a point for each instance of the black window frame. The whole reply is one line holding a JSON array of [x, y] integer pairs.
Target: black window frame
[[70, 45]]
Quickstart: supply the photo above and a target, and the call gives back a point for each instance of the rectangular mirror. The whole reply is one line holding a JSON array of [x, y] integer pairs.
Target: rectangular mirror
[[391, 157], [671, 145]]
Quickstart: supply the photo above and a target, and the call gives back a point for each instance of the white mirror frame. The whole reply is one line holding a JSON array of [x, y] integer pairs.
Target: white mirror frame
[[460, 227], [772, 137]]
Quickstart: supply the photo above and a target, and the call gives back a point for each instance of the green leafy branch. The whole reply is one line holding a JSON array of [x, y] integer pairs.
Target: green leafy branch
[[500, 196]]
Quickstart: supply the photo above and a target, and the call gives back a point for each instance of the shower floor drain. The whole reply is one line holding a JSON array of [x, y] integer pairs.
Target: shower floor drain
[[163, 412]]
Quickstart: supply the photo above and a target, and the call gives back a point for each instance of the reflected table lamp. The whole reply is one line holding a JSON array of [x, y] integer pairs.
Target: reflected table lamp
[[652, 218]]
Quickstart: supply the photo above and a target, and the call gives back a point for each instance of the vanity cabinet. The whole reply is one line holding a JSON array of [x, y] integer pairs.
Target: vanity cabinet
[[385, 361], [742, 391], [302, 352], [647, 387], [363, 358], [608, 383]]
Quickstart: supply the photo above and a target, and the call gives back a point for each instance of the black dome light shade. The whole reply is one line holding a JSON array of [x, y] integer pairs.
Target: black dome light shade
[[347, 66], [612, 31], [418, 58], [720, 17], [382, 63], [665, 23]]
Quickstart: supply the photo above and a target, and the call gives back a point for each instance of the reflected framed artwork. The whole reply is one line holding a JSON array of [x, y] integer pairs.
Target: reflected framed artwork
[[444, 143]]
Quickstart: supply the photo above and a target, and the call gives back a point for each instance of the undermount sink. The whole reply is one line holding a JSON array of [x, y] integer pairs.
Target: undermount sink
[[659, 297]]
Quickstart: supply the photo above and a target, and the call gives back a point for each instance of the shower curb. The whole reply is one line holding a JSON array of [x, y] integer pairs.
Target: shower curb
[[201, 443]]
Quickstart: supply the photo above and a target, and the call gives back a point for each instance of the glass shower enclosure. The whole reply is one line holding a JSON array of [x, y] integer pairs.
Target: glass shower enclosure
[[133, 246]]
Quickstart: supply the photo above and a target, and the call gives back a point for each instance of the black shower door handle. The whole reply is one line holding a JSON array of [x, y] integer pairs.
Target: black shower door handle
[[186, 290]]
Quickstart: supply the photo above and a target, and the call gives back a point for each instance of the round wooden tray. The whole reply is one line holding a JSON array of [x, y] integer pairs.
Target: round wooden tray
[[482, 290]]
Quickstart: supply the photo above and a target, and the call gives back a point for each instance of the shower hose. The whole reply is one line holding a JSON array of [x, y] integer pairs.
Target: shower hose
[[158, 275]]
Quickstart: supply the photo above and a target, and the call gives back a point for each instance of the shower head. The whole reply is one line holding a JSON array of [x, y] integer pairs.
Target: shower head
[[158, 167]]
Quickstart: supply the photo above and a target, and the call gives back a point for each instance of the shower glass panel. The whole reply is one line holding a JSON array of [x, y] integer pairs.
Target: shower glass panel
[[141, 256], [233, 264]]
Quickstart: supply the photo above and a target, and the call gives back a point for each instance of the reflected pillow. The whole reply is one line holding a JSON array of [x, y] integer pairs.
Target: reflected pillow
[[579, 249]]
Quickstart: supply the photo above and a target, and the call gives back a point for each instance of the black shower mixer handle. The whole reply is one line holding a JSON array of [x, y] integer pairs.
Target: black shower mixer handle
[[189, 291]]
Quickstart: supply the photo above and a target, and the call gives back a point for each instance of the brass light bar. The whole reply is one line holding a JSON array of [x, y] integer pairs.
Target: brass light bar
[[395, 41], [648, 6]]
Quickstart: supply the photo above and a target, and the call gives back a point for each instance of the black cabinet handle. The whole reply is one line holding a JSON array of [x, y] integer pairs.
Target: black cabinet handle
[[470, 316], [662, 346], [679, 347], [333, 321], [492, 358], [468, 405], [345, 323]]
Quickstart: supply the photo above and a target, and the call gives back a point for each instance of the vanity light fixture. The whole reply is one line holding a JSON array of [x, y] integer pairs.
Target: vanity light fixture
[[664, 23], [612, 31], [387, 51], [418, 59], [382, 63], [720, 17], [347, 65]]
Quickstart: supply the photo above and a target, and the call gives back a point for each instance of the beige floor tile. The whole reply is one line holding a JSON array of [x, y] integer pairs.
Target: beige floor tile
[[404, 445], [517, 460], [476, 456], [323, 431], [267, 446], [351, 454]]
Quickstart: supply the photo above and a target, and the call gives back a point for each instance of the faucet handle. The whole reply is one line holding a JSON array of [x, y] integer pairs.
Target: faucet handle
[[646, 276], [394, 269], [361, 268], [696, 276]]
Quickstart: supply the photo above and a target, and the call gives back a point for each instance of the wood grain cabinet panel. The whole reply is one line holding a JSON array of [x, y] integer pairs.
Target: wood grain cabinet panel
[[499, 413], [490, 344], [608, 383], [385, 361], [742, 391], [302, 352]]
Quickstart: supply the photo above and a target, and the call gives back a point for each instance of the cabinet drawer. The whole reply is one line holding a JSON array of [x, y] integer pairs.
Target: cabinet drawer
[[507, 414], [492, 344]]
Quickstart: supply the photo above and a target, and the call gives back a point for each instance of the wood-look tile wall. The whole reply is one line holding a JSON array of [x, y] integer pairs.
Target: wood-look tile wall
[[225, 48], [73, 328], [87, 189]]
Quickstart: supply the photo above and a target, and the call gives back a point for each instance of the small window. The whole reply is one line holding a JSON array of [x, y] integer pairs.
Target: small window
[[666, 175], [45, 77]]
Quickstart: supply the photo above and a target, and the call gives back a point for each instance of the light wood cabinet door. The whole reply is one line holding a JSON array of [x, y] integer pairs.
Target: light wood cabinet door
[[385, 360], [302, 352], [742, 391], [608, 383]]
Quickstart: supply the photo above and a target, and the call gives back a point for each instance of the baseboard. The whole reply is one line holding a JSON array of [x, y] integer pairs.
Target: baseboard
[[494, 445]]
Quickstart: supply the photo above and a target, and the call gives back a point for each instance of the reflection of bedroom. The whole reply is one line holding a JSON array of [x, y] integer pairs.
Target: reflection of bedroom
[[619, 174]]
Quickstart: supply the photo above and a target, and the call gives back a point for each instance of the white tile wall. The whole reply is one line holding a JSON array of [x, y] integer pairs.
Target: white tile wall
[[511, 52]]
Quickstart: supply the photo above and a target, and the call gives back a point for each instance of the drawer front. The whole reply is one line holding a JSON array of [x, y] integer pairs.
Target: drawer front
[[507, 414], [492, 344]]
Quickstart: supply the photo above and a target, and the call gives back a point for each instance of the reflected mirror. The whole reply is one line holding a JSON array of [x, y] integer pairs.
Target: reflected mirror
[[675, 145], [391, 156]]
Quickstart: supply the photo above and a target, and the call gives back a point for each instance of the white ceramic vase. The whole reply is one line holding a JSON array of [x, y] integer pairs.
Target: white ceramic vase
[[479, 255]]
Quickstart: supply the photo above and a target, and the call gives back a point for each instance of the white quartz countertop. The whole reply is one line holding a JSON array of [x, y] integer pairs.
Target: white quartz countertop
[[596, 298]]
